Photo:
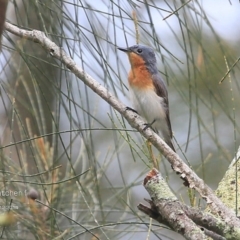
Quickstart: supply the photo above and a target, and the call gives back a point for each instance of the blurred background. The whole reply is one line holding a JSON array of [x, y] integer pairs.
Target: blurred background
[[56, 130]]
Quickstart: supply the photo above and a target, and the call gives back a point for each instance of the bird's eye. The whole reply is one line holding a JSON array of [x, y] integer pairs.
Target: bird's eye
[[139, 50]]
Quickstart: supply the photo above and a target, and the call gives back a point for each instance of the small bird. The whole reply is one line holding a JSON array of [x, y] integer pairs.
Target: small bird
[[148, 90]]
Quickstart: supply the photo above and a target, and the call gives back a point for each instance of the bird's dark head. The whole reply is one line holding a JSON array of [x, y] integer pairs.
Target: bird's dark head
[[139, 55]]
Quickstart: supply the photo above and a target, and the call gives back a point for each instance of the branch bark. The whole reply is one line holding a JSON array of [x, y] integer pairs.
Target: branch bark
[[192, 223], [167, 206], [228, 188], [215, 204]]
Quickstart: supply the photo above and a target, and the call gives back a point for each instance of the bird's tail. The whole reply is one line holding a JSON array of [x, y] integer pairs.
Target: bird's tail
[[168, 139], [170, 144]]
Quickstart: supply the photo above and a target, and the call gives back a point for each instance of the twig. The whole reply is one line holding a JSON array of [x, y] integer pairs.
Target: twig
[[229, 70], [174, 12]]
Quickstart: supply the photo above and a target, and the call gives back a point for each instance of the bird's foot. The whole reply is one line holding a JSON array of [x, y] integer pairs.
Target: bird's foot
[[131, 109], [149, 125]]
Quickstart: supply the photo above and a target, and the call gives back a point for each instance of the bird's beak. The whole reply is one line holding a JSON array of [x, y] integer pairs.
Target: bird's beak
[[124, 49]]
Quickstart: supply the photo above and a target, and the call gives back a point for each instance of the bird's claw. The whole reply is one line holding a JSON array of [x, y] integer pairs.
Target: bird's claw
[[149, 125], [131, 109]]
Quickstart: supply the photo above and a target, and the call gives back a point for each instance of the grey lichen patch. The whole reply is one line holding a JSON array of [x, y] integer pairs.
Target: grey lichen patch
[[228, 190]]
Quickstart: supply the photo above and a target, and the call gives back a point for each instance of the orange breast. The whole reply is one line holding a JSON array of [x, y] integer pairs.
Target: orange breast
[[139, 75]]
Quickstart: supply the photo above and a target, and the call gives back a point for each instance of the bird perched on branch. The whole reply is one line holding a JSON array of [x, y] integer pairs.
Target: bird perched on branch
[[148, 91]]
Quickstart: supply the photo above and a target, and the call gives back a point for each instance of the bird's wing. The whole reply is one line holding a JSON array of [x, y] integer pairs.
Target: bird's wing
[[161, 91]]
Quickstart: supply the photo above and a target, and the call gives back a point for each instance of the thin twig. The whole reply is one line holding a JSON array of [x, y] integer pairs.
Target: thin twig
[[177, 10], [229, 70]]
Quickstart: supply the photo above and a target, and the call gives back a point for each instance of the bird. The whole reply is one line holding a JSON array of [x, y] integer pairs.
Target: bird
[[148, 90]]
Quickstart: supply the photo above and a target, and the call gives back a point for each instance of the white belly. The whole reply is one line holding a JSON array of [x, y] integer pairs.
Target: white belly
[[150, 106]]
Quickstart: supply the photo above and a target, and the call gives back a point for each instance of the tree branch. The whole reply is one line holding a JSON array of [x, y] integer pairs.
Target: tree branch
[[228, 187], [168, 207], [191, 222], [134, 120]]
